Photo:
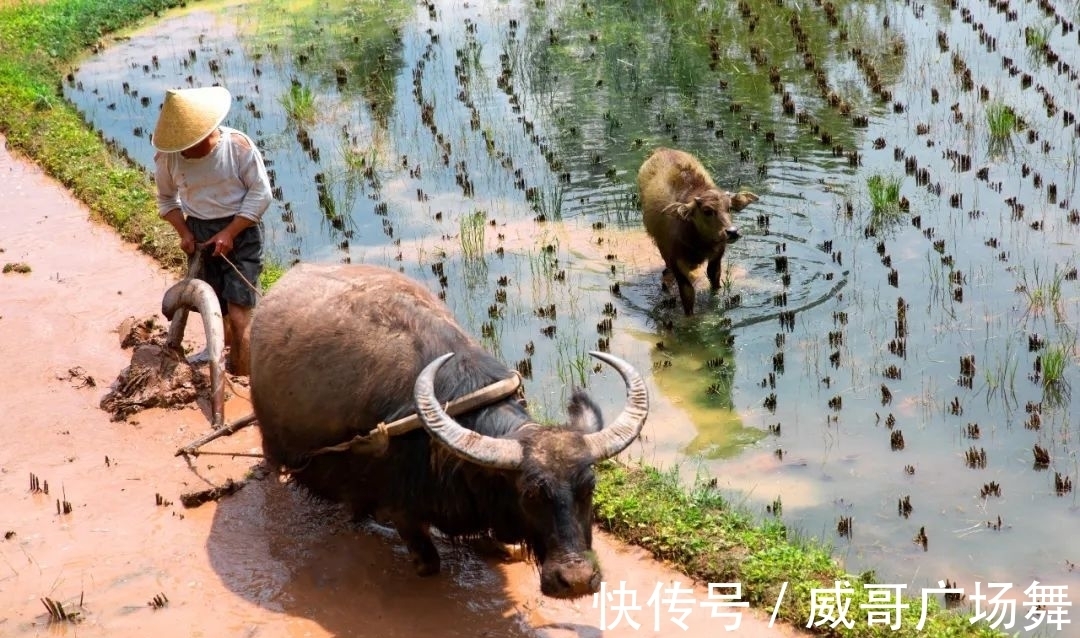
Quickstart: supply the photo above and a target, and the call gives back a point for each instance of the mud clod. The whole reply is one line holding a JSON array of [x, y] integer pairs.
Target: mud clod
[[78, 378], [195, 499], [157, 376]]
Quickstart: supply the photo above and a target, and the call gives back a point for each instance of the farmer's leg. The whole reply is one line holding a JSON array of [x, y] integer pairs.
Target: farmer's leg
[[227, 325], [212, 272], [240, 339], [240, 291]]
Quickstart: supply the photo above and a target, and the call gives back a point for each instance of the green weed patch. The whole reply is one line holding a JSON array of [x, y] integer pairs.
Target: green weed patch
[[700, 533]]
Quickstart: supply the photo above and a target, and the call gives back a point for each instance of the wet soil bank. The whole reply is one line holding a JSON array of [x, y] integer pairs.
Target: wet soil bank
[[266, 561]]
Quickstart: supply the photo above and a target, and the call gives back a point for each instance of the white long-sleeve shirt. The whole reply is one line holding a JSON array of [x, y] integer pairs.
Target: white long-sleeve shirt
[[230, 180]]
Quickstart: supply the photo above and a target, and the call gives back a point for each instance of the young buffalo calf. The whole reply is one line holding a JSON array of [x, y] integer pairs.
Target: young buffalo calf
[[687, 216]]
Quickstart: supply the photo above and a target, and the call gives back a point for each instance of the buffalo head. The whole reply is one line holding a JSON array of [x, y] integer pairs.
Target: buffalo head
[[711, 212], [552, 472]]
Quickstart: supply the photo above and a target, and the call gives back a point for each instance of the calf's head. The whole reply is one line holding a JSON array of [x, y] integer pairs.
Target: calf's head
[[711, 212], [552, 470]]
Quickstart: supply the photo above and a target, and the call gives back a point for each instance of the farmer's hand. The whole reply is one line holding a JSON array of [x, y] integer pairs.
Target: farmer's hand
[[187, 243], [222, 243], [187, 240]]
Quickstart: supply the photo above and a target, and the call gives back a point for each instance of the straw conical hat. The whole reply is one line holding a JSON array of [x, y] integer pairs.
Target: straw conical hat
[[188, 116]]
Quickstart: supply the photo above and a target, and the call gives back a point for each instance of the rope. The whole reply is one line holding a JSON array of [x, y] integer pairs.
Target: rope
[[375, 441], [196, 269], [257, 292]]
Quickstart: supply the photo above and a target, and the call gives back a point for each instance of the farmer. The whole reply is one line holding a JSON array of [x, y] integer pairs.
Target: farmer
[[213, 188]]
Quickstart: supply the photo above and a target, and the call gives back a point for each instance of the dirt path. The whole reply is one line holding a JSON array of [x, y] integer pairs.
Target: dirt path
[[264, 562]]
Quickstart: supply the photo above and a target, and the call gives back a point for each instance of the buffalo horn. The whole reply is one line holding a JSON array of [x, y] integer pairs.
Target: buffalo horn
[[615, 437], [503, 454]]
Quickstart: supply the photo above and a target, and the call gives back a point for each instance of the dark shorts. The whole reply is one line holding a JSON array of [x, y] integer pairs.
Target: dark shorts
[[246, 255]]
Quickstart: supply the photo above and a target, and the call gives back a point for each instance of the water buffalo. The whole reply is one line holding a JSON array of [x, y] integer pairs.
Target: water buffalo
[[336, 349], [687, 216]]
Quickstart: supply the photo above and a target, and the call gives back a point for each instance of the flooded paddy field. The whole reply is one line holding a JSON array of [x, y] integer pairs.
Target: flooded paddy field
[[889, 363]]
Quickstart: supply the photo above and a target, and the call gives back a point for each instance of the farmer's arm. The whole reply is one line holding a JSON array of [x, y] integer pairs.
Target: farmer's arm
[[222, 241], [237, 226], [175, 217], [253, 174], [168, 202]]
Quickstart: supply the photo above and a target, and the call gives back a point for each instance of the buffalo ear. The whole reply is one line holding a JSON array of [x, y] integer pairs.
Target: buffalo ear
[[742, 200], [584, 414]]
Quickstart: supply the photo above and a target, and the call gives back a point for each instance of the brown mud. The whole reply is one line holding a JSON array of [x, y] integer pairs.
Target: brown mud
[[130, 560], [158, 376]]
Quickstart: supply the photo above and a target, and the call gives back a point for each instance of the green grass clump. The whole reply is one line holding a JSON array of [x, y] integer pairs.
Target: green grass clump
[[1054, 362], [38, 43], [884, 194], [271, 272], [1042, 293], [1002, 122], [1036, 37], [472, 234], [299, 103], [703, 535]]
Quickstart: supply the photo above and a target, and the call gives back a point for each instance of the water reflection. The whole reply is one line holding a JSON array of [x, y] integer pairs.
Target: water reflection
[[538, 114], [275, 547]]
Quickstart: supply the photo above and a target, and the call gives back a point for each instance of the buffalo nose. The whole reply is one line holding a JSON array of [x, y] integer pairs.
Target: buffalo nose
[[571, 579], [732, 233]]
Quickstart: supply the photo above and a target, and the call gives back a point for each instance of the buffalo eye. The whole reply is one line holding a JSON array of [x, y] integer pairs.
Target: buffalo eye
[[536, 491], [585, 488]]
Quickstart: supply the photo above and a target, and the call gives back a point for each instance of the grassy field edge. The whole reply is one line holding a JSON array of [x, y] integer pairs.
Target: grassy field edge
[[696, 529], [38, 41]]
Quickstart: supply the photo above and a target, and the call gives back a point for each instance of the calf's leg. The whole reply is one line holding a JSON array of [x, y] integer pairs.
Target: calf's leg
[[713, 270], [686, 286]]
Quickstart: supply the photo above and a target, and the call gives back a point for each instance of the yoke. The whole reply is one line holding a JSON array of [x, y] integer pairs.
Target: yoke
[[377, 440]]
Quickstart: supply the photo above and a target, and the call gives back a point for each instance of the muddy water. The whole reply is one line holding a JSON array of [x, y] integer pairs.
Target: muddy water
[[266, 561], [828, 372]]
